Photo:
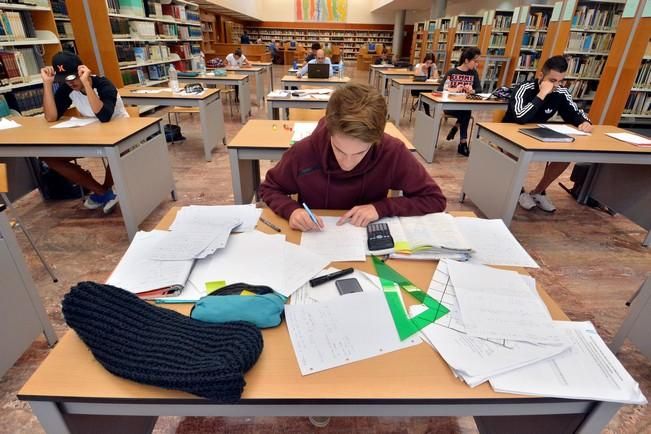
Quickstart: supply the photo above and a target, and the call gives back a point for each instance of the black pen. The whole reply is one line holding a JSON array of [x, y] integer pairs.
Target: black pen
[[328, 277], [271, 225]]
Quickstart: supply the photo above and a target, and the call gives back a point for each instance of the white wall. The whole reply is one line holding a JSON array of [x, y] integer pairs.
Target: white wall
[[359, 11], [252, 8], [474, 7]]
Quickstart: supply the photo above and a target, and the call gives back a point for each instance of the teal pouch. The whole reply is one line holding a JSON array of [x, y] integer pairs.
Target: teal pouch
[[264, 310]]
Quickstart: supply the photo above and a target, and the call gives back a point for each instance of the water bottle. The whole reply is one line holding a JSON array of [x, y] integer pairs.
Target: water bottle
[[202, 63], [294, 64], [446, 88], [174, 79], [341, 68]]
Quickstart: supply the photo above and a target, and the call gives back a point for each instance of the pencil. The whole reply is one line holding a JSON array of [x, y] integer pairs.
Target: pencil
[[271, 225]]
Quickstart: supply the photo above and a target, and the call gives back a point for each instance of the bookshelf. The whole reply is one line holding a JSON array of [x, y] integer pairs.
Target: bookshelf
[[138, 40], [64, 26], [233, 32], [350, 37], [209, 32], [637, 109], [441, 43], [465, 33], [418, 38], [28, 40], [533, 26], [493, 39], [592, 30]]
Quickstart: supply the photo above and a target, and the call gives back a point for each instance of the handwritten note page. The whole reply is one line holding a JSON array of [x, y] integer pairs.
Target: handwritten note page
[[496, 304], [337, 243], [194, 241], [205, 214], [343, 330]]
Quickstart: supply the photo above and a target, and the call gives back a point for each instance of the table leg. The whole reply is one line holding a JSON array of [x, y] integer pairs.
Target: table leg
[[426, 132], [395, 98], [271, 76], [599, 417], [50, 417], [259, 89], [245, 101], [245, 176], [212, 126], [270, 110]]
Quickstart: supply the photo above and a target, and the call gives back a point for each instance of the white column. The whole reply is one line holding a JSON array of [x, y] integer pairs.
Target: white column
[[398, 32], [437, 10]]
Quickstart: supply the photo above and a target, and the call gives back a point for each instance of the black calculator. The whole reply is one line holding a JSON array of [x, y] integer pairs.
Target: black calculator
[[379, 237]]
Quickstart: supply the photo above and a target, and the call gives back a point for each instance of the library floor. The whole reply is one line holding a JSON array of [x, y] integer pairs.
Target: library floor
[[590, 262]]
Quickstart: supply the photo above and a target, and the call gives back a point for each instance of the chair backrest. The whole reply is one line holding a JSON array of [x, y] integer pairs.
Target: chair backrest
[[133, 110], [498, 115], [4, 182], [637, 323]]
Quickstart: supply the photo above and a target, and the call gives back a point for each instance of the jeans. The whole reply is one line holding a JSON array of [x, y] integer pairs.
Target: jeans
[[463, 117]]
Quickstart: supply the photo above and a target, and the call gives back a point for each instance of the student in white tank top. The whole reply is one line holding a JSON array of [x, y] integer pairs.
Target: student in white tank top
[[92, 96]]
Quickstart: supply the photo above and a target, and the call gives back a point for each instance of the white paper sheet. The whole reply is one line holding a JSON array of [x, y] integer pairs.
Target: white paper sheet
[[564, 129], [337, 243], [587, 371], [205, 214], [194, 241], [148, 91], [74, 122], [475, 359], [137, 272], [436, 230], [307, 294], [496, 304], [493, 243], [342, 330], [278, 94], [302, 130], [633, 139], [6, 124], [259, 259]]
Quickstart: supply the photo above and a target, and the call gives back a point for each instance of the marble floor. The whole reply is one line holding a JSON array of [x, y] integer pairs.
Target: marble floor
[[591, 263]]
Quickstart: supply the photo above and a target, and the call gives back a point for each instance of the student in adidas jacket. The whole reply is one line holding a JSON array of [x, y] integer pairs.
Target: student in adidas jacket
[[536, 101], [349, 163]]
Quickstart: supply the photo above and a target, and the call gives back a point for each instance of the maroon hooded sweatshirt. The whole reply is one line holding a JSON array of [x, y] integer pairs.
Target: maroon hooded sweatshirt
[[310, 169]]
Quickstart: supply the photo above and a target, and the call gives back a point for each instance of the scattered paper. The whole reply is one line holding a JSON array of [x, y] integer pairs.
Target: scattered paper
[[342, 330], [492, 243], [633, 139], [496, 304], [588, 370], [337, 243], [137, 272], [203, 214], [278, 94], [302, 130], [147, 91], [564, 129], [6, 124], [484, 95], [327, 291], [74, 122], [194, 241]]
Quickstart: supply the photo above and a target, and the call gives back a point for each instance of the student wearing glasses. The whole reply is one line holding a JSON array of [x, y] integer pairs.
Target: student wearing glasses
[[349, 163], [463, 78]]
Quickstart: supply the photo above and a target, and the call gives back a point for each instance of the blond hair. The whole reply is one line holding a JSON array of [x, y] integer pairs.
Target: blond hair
[[358, 111]]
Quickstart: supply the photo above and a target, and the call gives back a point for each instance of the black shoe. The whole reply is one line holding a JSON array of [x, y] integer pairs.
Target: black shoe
[[463, 149], [452, 133]]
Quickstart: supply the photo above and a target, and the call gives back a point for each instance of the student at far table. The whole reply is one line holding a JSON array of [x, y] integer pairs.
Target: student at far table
[[349, 163], [536, 101], [428, 69], [320, 58], [92, 96], [463, 78]]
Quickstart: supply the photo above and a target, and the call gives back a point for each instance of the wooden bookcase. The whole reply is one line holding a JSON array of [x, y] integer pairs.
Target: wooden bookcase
[[64, 27], [209, 31], [441, 38], [350, 37], [417, 41], [493, 41], [155, 36], [464, 33], [23, 92]]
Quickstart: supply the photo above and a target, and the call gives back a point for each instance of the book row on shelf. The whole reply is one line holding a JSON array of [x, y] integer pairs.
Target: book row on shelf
[[498, 40], [469, 25], [643, 78], [156, 73], [16, 26], [596, 18], [534, 40], [528, 60], [64, 29], [153, 9], [125, 28], [59, 7], [538, 20], [521, 76], [465, 39], [587, 67], [19, 65], [590, 41], [28, 102], [638, 103], [581, 89], [502, 21], [128, 54]]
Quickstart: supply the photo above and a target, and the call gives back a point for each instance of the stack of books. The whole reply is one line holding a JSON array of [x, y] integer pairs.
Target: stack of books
[[16, 26], [19, 65]]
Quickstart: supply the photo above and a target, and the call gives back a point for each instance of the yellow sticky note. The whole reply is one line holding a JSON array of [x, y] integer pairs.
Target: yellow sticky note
[[214, 286]]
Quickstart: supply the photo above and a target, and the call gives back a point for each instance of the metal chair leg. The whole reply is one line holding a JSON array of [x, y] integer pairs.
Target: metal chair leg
[[28, 236]]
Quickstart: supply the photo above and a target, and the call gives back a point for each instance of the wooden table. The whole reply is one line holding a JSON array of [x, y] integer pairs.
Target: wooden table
[[134, 147], [256, 72], [493, 179], [71, 391], [291, 80], [266, 140], [211, 112], [239, 80], [400, 86], [426, 130], [276, 105], [373, 72], [268, 66], [386, 75]]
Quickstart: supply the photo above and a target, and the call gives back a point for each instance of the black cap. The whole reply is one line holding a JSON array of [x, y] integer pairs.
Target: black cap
[[65, 65]]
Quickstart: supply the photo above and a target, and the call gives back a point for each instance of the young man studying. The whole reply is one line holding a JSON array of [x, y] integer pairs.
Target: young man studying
[[92, 96], [349, 163], [536, 101], [320, 58]]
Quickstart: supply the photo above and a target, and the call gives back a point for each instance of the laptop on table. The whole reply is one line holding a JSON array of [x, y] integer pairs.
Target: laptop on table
[[318, 70]]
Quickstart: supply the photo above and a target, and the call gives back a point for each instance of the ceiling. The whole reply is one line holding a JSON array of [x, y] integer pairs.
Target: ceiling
[[220, 10], [394, 5]]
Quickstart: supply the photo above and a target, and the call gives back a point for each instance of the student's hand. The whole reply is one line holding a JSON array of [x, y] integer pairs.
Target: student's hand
[[468, 88], [47, 74], [360, 215], [84, 74], [300, 220], [586, 127], [546, 87]]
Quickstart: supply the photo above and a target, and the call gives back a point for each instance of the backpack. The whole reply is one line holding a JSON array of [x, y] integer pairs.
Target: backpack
[[173, 133], [215, 63], [54, 186], [502, 93]]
